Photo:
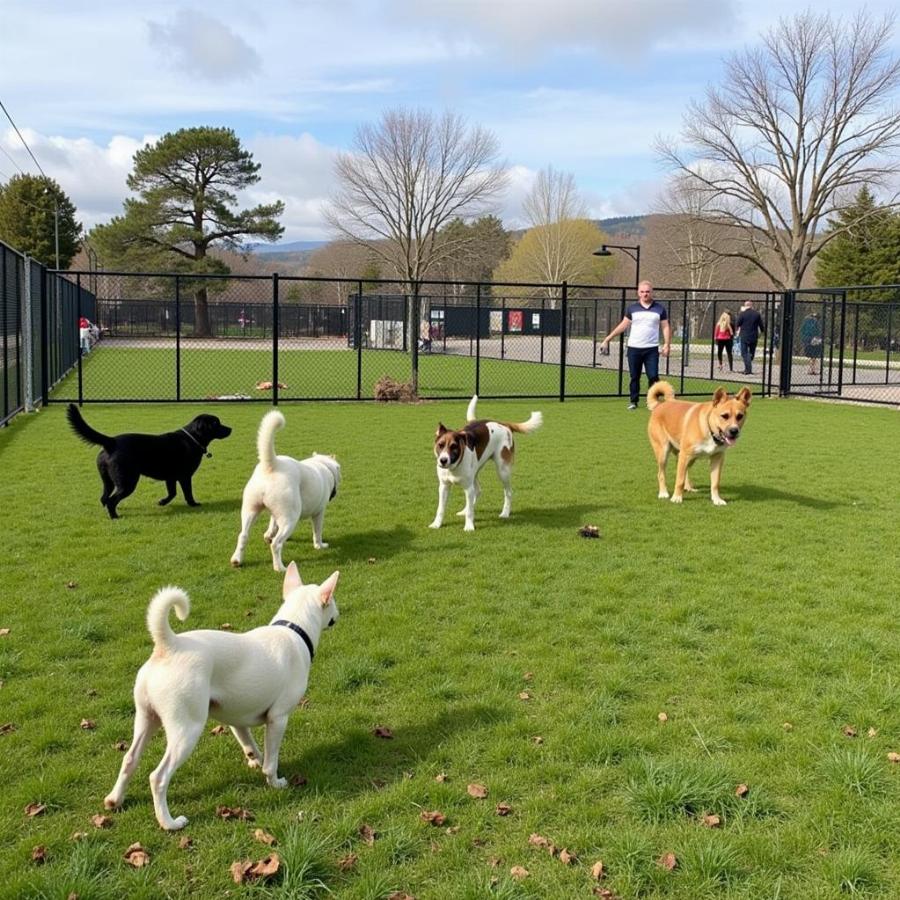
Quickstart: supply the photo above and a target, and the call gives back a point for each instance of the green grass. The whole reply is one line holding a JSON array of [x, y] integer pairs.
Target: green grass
[[113, 373], [779, 608]]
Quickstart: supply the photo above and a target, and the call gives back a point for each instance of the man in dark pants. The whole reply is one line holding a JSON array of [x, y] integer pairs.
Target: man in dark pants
[[645, 319], [749, 326]]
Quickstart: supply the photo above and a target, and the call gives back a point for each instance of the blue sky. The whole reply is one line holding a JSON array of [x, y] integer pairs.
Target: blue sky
[[582, 85]]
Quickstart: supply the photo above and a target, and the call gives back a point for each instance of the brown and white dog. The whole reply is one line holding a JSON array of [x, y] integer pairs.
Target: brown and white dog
[[693, 430], [462, 454]]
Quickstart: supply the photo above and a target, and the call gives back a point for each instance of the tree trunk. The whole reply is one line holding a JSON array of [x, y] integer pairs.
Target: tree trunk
[[201, 314]]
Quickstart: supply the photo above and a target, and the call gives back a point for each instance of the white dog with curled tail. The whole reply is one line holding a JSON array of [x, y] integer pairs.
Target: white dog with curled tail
[[255, 678]]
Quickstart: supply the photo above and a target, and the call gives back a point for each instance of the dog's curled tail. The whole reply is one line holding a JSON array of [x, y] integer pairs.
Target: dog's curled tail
[[158, 615], [85, 432], [470, 411], [659, 392], [535, 420], [265, 441]]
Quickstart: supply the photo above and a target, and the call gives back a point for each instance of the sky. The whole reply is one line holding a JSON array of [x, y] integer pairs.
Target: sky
[[584, 86]]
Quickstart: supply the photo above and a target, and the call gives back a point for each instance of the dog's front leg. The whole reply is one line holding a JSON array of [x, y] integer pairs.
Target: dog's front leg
[[170, 496], [188, 492], [275, 729], [471, 496], [715, 473], [244, 737], [318, 521], [443, 494]]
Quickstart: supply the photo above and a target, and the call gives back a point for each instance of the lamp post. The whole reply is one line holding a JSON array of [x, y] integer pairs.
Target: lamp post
[[634, 252]]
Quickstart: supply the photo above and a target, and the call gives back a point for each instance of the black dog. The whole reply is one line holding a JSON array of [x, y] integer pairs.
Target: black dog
[[172, 457]]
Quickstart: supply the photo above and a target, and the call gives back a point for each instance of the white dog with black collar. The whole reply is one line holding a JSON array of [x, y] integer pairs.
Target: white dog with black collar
[[255, 678]]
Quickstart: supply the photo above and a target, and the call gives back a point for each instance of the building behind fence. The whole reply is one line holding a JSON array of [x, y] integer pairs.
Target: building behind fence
[[289, 338]]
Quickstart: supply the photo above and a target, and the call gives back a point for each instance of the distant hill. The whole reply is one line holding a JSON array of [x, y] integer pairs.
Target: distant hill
[[630, 225], [289, 247]]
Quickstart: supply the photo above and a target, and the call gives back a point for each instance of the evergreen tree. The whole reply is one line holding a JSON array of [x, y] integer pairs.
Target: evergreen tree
[[186, 185], [866, 249], [32, 208]]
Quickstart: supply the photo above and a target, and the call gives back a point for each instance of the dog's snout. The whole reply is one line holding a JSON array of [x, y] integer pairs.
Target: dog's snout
[[443, 459], [734, 431]]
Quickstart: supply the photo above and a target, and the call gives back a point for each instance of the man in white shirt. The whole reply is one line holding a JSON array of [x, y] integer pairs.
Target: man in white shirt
[[645, 318]]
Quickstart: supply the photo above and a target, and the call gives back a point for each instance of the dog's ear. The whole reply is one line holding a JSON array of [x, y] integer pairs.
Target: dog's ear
[[326, 591], [744, 396], [720, 395], [441, 430], [291, 580]]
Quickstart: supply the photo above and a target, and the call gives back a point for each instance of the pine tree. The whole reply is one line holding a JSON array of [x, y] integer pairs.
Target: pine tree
[[34, 211]]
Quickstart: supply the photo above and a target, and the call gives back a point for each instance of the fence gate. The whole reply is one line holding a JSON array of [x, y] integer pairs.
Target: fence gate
[[813, 348]]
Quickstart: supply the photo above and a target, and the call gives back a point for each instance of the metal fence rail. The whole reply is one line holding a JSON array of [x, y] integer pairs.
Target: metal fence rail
[[168, 337]]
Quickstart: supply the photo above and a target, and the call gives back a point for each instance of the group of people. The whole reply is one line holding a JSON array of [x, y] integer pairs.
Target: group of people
[[87, 334], [647, 317], [744, 331]]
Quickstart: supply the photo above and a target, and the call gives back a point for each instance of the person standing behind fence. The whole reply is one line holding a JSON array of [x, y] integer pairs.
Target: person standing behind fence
[[84, 335], [724, 335], [645, 319], [811, 335], [749, 326]]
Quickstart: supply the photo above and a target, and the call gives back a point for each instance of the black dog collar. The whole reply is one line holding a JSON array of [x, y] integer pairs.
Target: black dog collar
[[298, 630], [208, 454]]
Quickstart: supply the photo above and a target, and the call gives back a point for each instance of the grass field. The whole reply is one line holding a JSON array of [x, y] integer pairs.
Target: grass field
[[114, 373], [521, 657]]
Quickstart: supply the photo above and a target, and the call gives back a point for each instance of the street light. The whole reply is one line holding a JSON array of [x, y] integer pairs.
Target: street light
[[633, 252]]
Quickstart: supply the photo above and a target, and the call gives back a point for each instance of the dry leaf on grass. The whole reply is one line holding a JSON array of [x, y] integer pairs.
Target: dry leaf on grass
[[538, 840], [368, 834], [264, 837], [4, 632], [848, 731], [441, 777], [219, 729], [245, 870], [589, 531], [346, 863], [71, 585], [668, 861], [503, 809], [524, 695], [382, 731], [234, 812], [566, 857], [186, 843], [297, 780], [872, 732], [39, 854], [478, 791], [226, 626], [537, 739], [137, 856], [711, 820], [528, 676], [371, 560], [400, 895], [88, 724], [122, 746], [787, 726], [741, 790], [519, 872], [453, 829], [35, 809], [893, 757], [433, 817], [7, 728], [597, 870], [605, 893], [101, 821], [663, 717]]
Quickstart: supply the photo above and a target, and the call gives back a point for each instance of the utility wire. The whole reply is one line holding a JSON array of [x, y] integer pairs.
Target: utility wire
[[24, 142], [7, 154]]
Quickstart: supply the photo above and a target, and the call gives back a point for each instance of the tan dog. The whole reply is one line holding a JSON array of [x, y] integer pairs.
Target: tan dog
[[693, 430]]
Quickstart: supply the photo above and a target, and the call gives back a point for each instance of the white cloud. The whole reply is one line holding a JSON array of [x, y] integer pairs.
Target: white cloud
[[201, 45]]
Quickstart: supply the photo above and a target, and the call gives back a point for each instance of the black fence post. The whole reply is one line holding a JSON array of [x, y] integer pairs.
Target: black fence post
[[478, 338], [78, 312], [855, 337], [563, 330], [275, 331], [594, 338], [621, 342], [685, 344], [503, 328], [543, 302], [177, 338], [842, 338], [887, 355], [357, 336], [787, 343]]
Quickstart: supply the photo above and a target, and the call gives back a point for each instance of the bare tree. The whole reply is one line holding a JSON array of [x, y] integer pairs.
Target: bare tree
[[407, 177], [799, 124]]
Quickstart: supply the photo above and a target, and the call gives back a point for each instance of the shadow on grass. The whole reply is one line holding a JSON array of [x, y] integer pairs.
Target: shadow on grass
[[762, 493], [570, 516], [360, 761], [363, 545]]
